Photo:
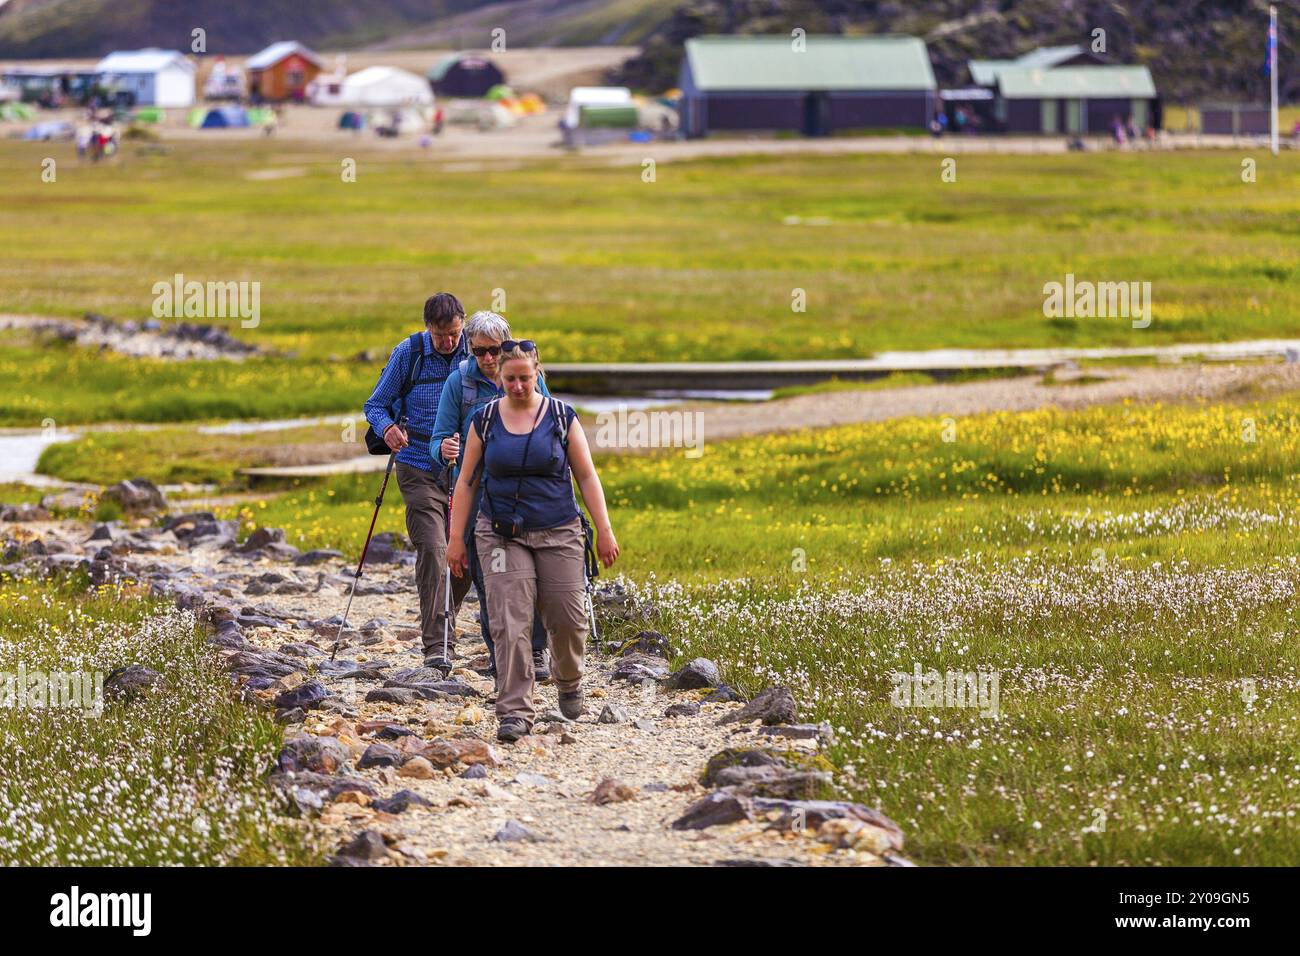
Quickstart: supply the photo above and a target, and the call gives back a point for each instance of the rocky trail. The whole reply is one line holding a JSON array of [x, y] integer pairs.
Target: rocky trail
[[400, 766]]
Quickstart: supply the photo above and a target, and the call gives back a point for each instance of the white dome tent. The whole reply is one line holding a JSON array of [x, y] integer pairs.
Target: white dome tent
[[380, 86]]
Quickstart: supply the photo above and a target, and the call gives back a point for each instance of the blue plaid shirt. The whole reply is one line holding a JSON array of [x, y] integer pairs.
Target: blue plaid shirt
[[421, 402]]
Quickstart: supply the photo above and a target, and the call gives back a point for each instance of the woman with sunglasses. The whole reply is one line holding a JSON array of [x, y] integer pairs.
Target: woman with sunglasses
[[529, 534], [457, 405]]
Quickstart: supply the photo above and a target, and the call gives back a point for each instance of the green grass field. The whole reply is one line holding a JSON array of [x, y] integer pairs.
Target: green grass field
[[600, 266], [1128, 573], [173, 778]]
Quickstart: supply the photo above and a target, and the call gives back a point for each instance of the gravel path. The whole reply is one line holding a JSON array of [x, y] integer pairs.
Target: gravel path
[[270, 609], [541, 782]]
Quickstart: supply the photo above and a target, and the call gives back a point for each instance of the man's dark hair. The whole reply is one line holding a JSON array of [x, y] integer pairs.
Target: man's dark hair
[[442, 310]]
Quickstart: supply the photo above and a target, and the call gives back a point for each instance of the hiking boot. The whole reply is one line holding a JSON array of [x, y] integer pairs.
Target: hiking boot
[[511, 729], [438, 663], [541, 667], [571, 704]]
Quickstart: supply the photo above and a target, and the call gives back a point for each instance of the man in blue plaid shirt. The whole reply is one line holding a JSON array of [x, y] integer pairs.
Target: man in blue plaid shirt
[[429, 356]]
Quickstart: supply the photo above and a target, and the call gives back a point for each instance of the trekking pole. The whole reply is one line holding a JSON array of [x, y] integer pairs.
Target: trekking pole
[[446, 612], [379, 500], [591, 610]]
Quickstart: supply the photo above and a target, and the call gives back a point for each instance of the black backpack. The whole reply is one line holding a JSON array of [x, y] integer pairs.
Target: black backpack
[[375, 443]]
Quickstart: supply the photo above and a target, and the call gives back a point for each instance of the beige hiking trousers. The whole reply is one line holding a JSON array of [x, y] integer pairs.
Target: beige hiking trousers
[[537, 572], [426, 524]]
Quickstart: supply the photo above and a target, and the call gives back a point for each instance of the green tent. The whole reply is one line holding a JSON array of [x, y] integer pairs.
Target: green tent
[[260, 115], [16, 111], [608, 117], [196, 116], [500, 92], [150, 114]]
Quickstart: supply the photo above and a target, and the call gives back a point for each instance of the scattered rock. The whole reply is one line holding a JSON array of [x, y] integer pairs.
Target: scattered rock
[[699, 673], [649, 643], [642, 724], [138, 498], [685, 709], [418, 768], [639, 667], [309, 696], [307, 790], [741, 757], [380, 755], [612, 714], [261, 538], [365, 849], [821, 732], [722, 694], [23, 512], [610, 790], [317, 555], [718, 807], [400, 802], [130, 682], [775, 705], [812, 814], [778, 782], [316, 754], [393, 695], [512, 831], [529, 779], [475, 771]]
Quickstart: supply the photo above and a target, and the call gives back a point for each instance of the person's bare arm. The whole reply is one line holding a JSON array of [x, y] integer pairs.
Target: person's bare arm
[[466, 486], [593, 495]]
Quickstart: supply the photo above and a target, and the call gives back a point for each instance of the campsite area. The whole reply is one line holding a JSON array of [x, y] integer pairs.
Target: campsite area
[[1092, 555]]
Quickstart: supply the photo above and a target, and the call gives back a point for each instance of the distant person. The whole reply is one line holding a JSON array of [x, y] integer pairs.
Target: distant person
[[1117, 130], [530, 534], [471, 385], [420, 366], [939, 124]]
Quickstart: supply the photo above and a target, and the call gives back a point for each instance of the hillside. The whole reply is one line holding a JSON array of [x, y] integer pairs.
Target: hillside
[[79, 28], [1211, 49], [1195, 50]]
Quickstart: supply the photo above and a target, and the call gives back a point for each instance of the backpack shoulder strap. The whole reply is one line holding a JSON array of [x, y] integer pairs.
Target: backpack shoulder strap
[[468, 390], [560, 412], [416, 347], [489, 416]]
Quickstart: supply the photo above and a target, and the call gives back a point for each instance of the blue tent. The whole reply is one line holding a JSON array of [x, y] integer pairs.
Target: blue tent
[[225, 117], [351, 120]]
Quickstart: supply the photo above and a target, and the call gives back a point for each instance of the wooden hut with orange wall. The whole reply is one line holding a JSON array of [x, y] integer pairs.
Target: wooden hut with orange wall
[[282, 71]]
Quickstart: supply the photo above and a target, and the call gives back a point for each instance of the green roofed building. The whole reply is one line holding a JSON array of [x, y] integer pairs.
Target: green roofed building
[[1065, 90], [816, 86]]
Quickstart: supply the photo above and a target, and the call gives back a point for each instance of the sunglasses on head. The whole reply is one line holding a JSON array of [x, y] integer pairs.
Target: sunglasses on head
[[524, 345]]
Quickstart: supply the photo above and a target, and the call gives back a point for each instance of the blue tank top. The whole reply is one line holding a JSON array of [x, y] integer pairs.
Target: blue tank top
[[543, 479]]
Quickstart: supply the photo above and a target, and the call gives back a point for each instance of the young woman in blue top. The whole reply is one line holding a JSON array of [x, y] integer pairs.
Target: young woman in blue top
[[457, 406], [529, 535]]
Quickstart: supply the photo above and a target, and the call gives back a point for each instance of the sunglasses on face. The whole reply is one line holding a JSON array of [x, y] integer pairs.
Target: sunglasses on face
[[524, 345], [482, 350]]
